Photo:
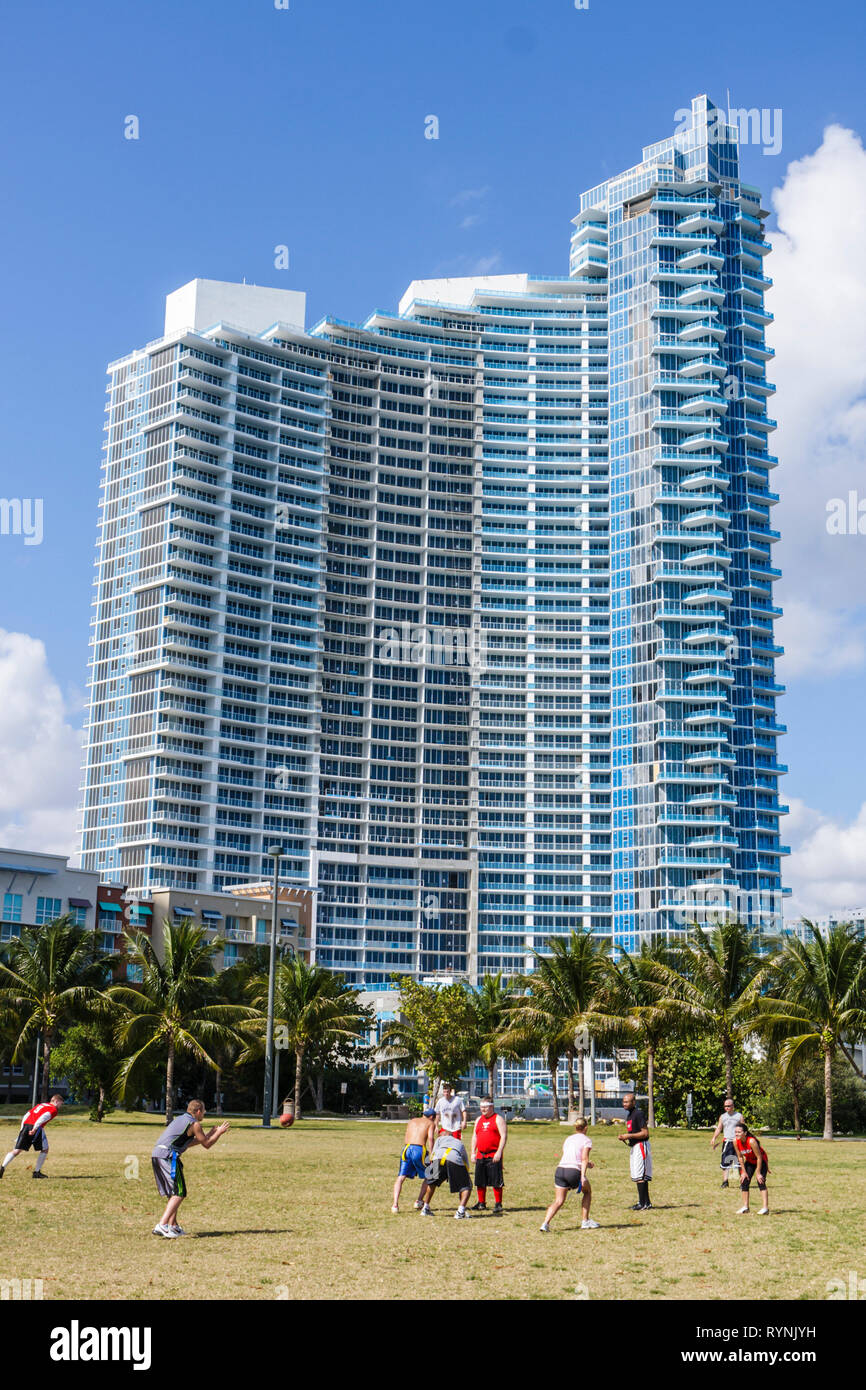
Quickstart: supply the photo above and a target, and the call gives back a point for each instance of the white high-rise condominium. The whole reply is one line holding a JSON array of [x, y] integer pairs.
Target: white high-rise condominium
[[469, 607]]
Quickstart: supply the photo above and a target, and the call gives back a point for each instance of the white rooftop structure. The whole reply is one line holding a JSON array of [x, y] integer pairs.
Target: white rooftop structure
[[201, 304]]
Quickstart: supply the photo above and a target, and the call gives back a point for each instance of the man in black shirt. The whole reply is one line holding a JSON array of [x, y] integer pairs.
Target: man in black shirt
[[640, 1157]]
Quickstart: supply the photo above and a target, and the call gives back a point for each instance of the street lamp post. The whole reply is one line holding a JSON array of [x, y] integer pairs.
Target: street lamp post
[[275, 853], [277, 1055]]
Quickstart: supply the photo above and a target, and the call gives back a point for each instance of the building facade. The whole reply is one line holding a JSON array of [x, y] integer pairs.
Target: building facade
[[469, 607]]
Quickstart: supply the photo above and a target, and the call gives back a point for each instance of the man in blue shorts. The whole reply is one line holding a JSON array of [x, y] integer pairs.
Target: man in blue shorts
[[417, 1143]]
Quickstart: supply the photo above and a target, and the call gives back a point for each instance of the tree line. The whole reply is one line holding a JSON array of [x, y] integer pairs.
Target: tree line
[[795, 1003], [799, 1004]]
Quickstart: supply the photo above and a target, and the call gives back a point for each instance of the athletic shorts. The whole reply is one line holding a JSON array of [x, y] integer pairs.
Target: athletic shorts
[[568, 1178], [640, 1161], [751, 1170], [412, 1161], [729, 1155], [35, 1139], [457, 1175], [488, 1173], [168, 1172]]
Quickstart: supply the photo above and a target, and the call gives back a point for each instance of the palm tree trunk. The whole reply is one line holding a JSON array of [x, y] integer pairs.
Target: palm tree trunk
[[46, 1064], [569, 1057], [299, 1069], [729, 1068], [491, 1080], [828, 1093], [100, 1104], [169, 1083], [650, 1081], [795, 1092], [581, 1084], [218, 1102], [553, 1064]]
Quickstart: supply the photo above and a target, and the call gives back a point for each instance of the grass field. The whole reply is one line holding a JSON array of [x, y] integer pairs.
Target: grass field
[[306, 1214]]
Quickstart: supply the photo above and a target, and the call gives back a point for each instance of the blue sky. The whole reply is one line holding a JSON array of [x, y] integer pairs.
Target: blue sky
[[305, 127]]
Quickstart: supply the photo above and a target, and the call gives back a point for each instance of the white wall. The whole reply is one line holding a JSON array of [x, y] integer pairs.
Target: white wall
[[203, 303]]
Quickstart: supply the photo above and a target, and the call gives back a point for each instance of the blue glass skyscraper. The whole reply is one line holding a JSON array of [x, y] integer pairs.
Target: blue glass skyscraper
[[470, 605]]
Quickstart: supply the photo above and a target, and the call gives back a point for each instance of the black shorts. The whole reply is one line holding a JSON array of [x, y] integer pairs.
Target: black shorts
[[751, 1170], [568, 1177], [30, 1139], [488, 1173], [729, 1155], [457, 1175]]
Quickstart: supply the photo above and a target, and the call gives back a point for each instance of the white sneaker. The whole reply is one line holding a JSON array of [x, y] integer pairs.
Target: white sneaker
[[426, 1211], [159, 1229], [744, 1211], [765, 1211], [588, 1225], [178, 1230], [418, 1205], [167, 1232], [544, 1226], [461, 1215], [396, 1210]]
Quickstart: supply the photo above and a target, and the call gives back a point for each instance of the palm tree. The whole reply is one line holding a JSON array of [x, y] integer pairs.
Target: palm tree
[[635, 1006], [313, 1008], [713, 986], [53, 976], [491, 1000], [563, 999], [173, 1009], [819, 1005]]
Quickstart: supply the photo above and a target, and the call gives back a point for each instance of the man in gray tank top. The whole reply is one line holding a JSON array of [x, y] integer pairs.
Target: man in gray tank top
[[181, 1134]]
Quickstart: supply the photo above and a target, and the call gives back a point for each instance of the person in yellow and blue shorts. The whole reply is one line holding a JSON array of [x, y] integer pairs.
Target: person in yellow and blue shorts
[[417, 1143]]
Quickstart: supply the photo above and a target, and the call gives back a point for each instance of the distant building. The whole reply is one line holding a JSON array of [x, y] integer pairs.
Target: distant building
[[36, 888], [797, 926]]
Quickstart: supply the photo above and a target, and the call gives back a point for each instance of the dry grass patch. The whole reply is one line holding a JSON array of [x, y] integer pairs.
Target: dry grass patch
[[306, 1214]]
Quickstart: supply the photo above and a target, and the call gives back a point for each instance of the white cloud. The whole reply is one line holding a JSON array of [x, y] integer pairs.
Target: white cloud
[[827, 867], [471, 221], [470, 195], [40, 752], [820, 641], [819, 334]]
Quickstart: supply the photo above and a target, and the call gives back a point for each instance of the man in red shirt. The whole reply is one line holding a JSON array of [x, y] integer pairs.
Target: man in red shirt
[[488, 1144], [32, 1134]]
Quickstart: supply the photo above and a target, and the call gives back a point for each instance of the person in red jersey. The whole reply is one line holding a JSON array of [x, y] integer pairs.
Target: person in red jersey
[[489, 1138], [753, 1164], [32, 1134]]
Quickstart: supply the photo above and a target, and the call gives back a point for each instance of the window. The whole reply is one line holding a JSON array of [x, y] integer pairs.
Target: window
[[8, 932], [12, 907], [134, 974], [78, 916], [46, 910]]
